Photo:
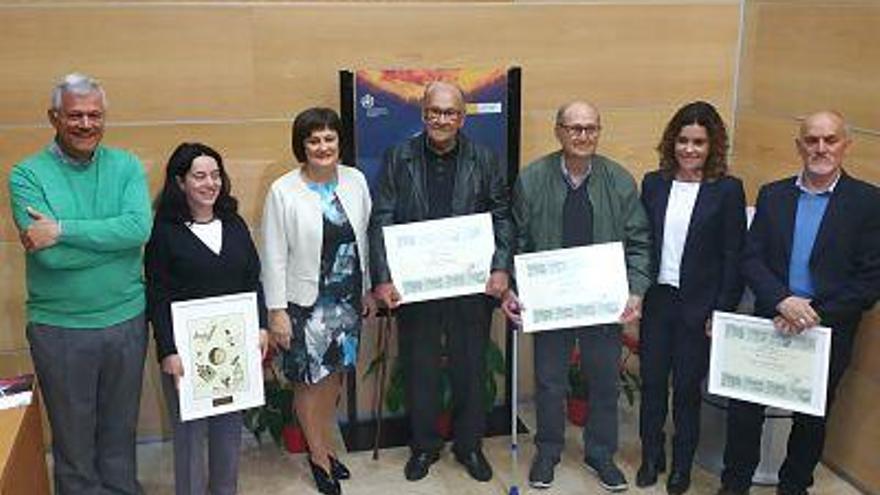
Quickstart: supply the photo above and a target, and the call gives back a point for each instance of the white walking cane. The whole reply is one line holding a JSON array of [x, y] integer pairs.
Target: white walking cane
[[514, 406]]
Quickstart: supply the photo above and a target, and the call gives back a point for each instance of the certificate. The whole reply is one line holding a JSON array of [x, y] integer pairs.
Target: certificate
[[440, 258], [572, 287], [752, 361], [218, 341]]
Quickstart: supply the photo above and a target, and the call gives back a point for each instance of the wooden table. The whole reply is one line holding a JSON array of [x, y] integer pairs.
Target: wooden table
[[22, 459]]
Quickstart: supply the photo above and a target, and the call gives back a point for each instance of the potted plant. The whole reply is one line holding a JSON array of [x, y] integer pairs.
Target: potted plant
[[276, 416], [577, 401], [395, 391]]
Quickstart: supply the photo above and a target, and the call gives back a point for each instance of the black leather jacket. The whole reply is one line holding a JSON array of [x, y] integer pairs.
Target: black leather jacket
[[401, 197]]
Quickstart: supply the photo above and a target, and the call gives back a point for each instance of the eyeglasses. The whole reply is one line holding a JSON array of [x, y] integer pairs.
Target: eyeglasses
[[81, 117], [436, 114], [591, 130]]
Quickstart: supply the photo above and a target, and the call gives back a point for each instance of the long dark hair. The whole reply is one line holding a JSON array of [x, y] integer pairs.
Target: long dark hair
[[704, 115], [170, 203]]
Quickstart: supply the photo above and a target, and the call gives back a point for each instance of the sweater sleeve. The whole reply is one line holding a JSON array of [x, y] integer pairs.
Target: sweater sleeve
[[157, 271], [26, 191], [129, 229], [274, 269]]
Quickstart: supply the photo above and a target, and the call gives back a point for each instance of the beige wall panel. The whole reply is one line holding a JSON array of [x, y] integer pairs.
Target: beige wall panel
[[299, 50], [804, 56], [854, 431], [12, 297], [867, 346], [156, 63], [222, 62], [15, 362], [765, 152]]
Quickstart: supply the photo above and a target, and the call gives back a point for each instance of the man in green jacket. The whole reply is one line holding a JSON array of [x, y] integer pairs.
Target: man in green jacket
[[83, 215], [575, 197]]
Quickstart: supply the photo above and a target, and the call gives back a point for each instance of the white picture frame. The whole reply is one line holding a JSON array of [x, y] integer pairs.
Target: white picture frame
[[218, 341]]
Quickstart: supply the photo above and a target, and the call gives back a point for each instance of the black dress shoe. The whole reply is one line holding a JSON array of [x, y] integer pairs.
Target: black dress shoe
[[417, 466], [678, 482], [338, 469], [476, 464], [650, 469], [647, 475], [326, 483]]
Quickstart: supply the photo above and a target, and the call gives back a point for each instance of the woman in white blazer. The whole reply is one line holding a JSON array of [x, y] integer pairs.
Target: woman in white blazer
[[316, 280]]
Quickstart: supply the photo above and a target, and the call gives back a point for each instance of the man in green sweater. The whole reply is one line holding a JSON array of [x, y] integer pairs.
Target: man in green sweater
[[83, 215], [569, 198]]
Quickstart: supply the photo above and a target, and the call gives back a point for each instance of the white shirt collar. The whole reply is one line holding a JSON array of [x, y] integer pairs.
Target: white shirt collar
[[799, 182], [574, 181]]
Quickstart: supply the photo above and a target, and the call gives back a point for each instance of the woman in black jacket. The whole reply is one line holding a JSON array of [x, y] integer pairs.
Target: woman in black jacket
[[199, 248], [697, 216]]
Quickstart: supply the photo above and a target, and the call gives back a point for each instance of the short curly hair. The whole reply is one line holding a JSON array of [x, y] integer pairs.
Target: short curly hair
[[705, 115], [309, 121]]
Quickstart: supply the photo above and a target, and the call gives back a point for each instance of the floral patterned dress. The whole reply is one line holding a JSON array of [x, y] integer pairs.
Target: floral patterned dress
[[326, 335]]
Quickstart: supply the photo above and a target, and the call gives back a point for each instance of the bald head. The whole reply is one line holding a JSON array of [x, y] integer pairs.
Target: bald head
[[579, 107], [443, 113], [830, 118], [822, 143], [443, 90], [577, 130]]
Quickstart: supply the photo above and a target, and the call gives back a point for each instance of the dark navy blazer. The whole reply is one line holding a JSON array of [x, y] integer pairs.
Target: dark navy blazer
[[709, 275], [844, 263]]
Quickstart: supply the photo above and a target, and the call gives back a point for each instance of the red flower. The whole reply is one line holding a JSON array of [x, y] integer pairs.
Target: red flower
[[630, 342]]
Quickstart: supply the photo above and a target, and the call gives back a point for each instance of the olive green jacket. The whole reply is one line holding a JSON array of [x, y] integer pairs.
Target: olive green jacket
[[618, 214]]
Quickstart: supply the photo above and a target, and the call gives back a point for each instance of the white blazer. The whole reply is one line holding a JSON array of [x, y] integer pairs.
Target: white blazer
[[293, 233]]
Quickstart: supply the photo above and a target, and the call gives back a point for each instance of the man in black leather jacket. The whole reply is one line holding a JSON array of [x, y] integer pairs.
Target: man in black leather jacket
[[439, 174]]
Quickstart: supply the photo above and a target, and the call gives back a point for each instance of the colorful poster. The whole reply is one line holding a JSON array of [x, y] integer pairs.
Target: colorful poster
[[388, 110]]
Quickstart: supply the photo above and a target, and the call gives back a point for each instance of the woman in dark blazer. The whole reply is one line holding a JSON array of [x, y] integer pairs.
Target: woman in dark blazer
[[199, 248], [697, 215]]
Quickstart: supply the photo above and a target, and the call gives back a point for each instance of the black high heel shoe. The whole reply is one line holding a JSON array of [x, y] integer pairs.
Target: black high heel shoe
[[326, 483], [338, 469]]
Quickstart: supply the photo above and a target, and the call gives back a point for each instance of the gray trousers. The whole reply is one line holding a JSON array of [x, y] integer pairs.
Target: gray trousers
[[91, 383], [223, 436], [600, 355]]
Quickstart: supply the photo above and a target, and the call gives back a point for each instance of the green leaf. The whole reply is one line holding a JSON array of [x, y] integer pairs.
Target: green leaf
[[494, 359], [394, 399], [490, 393], [373, 367], [445, 390]]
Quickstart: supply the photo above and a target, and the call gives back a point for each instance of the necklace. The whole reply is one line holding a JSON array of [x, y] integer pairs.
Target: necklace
[[203, 222]]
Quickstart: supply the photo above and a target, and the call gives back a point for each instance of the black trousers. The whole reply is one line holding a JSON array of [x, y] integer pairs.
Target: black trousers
[[461, 325], [745, 422], [668, 345]]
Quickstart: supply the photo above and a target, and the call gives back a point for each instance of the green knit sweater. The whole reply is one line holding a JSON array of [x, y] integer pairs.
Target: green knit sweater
[[91, 278]]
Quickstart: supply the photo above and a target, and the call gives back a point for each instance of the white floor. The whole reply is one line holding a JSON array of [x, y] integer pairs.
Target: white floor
[[267, 470]]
